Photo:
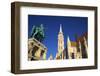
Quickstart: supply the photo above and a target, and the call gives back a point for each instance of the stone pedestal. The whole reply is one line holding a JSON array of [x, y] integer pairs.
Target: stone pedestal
[[36, 50]]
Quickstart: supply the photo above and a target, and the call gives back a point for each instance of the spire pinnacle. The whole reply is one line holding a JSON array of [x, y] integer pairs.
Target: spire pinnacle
[[60, 28], [68, 40]]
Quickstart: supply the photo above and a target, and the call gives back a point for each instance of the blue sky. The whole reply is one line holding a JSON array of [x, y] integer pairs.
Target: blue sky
[[51, 24]]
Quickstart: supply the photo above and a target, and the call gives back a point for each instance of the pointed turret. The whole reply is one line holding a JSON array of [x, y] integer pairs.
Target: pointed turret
[[68, 41], [60, 28]]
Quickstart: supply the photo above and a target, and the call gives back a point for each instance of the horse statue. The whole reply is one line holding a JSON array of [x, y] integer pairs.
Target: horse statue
[[38, 32]]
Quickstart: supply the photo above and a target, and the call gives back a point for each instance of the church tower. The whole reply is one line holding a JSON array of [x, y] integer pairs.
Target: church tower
[[60, 42]]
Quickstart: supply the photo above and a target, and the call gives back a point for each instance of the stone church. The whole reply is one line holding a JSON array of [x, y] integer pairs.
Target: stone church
[[74, 49]]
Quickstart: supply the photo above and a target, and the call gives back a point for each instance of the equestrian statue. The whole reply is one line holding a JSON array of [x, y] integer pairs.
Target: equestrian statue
[[38, 32]]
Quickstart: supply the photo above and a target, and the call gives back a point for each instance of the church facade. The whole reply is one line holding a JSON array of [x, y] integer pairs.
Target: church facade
[[74, 49]]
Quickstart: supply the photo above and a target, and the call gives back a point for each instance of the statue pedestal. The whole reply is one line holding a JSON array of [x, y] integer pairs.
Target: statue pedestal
[[36, 50]]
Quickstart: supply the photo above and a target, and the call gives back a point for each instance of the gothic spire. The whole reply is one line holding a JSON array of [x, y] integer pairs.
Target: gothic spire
[[60, 28], [68, 40]]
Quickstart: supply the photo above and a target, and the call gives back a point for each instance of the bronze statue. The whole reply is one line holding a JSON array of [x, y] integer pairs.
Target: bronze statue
[[38, 32]]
